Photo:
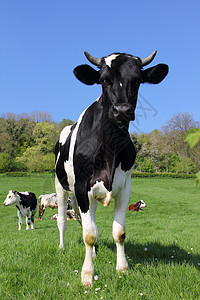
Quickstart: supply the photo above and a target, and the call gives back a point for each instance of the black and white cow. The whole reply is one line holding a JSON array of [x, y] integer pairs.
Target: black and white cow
[[26, 203], [95, 156]]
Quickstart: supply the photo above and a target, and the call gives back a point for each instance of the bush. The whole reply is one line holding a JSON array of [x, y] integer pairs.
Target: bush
[[171, 175], [16, 174]]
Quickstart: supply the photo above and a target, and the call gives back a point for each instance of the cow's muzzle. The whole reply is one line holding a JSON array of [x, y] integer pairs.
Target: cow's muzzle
[[123, 112]]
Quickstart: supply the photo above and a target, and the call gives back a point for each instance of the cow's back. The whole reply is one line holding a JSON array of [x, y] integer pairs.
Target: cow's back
[[28, 200]]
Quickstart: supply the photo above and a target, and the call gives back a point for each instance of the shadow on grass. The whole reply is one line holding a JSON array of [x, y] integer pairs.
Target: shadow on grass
[[156, 252]]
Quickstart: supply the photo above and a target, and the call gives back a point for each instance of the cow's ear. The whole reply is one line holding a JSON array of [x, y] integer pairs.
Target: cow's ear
[[15, 193], [155, 74], [86, 74]]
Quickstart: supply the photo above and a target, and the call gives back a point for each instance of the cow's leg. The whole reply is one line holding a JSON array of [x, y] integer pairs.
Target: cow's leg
[[119, 224], [90, 234], [20, 220], [33, 219], [28, 221], [62, 197]]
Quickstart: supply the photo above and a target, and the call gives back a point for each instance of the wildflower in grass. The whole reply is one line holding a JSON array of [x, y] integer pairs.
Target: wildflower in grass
[[198, 264], [145, 249], [105, 285], [68, 284], [140, 294], [109, 262], [85, 292], [191, 249], [76, 271], [97, 289], [96, 277], [172, 256]]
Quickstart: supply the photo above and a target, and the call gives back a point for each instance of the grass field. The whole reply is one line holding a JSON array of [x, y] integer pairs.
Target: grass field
[[162, 247]]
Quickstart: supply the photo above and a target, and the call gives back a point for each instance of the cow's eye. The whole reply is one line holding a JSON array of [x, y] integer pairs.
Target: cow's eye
[[105, 82]]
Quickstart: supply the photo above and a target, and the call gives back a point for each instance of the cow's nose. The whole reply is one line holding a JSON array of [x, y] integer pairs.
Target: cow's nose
[[123, 112]]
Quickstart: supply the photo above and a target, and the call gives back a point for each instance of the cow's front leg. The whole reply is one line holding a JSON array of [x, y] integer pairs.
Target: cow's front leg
[[62, 197], [119, 225], [90, 235], [20, 220]]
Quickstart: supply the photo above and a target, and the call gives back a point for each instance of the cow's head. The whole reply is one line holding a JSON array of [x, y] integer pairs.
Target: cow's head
[[120, 75], [11, 198]]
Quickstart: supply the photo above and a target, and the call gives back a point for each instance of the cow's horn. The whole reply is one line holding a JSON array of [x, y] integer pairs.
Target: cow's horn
[[95, 61], [147, 60]]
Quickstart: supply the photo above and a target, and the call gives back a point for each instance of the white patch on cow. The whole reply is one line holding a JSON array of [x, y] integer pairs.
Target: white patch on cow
[[143, 204], [64, 134], [69, 165], [100, 193], [110, 58], [25, 193]]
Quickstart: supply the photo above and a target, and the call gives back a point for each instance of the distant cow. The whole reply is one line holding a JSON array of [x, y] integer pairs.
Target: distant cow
[[95, 156], [26, 203], [47, 200], [137, 206], [71, 213]]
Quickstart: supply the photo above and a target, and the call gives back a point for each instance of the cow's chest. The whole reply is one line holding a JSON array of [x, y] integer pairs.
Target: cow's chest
[[120, 184]]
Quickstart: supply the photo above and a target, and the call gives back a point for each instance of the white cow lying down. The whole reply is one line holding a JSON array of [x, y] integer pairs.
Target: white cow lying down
[[26, 203]]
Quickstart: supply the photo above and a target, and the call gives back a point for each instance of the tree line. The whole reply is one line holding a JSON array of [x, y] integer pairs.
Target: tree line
[[27, 143]]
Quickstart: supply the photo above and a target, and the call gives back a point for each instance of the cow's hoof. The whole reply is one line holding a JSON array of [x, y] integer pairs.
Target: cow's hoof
[[122, 268], [87, 282], [86, 279]]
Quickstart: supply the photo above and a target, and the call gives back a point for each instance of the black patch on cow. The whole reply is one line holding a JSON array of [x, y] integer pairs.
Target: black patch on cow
[[64, 156], [28, 201]]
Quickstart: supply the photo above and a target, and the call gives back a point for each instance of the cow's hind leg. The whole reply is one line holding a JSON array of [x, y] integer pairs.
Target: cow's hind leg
[[33, 219], [62, 197], [90, 234], [20, 220], [28, 221], [119, 225]]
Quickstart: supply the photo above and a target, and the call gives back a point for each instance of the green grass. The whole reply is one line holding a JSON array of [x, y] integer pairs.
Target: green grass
[[32, 267]]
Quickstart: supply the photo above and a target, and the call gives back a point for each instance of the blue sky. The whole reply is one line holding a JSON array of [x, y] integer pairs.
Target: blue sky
[[42, 41]]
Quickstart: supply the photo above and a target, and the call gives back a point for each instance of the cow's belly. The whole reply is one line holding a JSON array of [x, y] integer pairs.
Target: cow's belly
[[24, 212]]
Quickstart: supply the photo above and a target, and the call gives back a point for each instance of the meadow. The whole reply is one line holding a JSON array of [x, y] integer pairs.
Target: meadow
[[162, 246]]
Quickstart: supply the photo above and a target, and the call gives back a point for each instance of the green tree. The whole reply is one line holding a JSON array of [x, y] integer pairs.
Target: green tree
[[65, 122], [45, 136], [6, 163]]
